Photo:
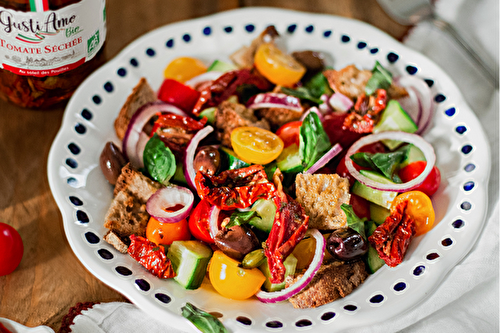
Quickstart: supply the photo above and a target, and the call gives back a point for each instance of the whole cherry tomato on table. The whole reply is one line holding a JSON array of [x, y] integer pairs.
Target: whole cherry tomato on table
[[290, 133], [414, 169], [11, 249]]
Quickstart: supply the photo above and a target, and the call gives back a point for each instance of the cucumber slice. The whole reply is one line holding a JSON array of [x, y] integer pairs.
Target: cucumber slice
[[210, 114], [381, 198], [267, 210], [394, 118], [413, 154], [231, 160], [378, 213], [290, 265], [373, 261], [189, 260], [221, 66], [290, 159]]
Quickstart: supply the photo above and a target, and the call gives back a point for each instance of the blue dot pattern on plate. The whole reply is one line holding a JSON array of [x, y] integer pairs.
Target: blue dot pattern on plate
[[134, 62], [274, 324], [76, 201], [345, 38], [82, 217], [86, 114], [457, 224], [400, 286], [143, 284], [350, 307], [244, 320], [327, 33], [439, 98], [303, 323], [429, 82], [91, 237], [432, 256], [291, 28], [327, 316], [466, 205], [419, 270], [170, 42], [446, 242], [165, 299], [374, 50], [412, 70], [469, 186], [392, 57], [450, 112], [377, 299], [121, 72], [461, 129], [108, 86], [80, 129], [186, 38], [228, 29], [150, 52], [71, 163], [72, 182], [470, 167], [361, 45], [96, 99], [105, 254], [466, 149], [249, 27], [309, 29], [74, 149], [123, 271]]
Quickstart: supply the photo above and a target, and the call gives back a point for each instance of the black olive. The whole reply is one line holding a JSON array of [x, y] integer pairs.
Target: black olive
[[236, 242], [346, 244], [208, 160], [111, 162]]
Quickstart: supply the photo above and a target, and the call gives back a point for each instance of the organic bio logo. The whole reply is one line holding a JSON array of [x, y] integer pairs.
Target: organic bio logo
[[93, 42]]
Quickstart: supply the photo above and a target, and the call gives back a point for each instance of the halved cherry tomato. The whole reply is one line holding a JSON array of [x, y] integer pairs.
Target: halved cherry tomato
[[360, 206], [165, 233], [414, 169], [290, 133], [256, 145], [184, 68], [11, 249], [278, 67], [199, 222], [419, 208], [178, 94], [232, 281]]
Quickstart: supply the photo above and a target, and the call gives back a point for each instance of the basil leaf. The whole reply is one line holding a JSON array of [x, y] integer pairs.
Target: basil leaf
[[353, 221], [318, 85], [159, 160], [364, 160], [380, 79], [302, 93], [239, 218], [386, 163], [203, 321], [314, 141]]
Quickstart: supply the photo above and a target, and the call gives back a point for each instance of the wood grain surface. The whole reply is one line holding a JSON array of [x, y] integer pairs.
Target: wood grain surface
[[50, 279]]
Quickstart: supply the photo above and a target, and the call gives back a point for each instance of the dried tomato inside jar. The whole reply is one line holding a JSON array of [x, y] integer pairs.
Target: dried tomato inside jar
[[48, 47]]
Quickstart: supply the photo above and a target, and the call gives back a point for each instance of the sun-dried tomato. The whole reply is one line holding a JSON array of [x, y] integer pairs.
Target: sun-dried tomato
[[289, 227], [151, 256], [238, 188], [227, 85], [392, 238], [366, 112], [174, 120]]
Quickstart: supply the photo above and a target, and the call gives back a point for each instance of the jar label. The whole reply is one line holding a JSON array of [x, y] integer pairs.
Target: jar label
[[48, 43]]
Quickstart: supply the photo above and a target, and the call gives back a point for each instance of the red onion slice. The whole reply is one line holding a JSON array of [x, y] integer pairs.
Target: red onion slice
[[334, 151], [213, 221], [315, 110], [169, 197], [340, 102], [417, 140], [139, 119], [188, 166], [284, 294], [205, 77], [275, 100]]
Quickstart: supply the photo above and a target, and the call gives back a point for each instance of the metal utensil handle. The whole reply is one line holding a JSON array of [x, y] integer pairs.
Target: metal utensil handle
[[489, 70]]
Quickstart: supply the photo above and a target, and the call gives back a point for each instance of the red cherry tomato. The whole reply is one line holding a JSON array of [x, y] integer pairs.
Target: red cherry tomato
[[178, 94], [290, 133], [199, 222], [11, 249], [360, 206], [333, 124], [413, 170]]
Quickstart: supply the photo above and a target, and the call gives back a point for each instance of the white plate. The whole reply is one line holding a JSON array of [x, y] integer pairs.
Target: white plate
[[83, 195]]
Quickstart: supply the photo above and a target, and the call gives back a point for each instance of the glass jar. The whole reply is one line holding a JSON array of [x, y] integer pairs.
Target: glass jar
[[48, 47]]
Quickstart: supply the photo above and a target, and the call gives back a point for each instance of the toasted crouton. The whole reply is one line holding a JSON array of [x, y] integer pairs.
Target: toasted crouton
[[141, 94], [127, 214], [349, 81], [321, 196], [332, 281]]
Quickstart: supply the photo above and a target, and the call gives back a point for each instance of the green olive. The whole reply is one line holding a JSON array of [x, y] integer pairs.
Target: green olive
[[253, 259]]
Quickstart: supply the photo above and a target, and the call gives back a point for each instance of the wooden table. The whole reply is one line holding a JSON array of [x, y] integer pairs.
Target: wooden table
[[50, 279]]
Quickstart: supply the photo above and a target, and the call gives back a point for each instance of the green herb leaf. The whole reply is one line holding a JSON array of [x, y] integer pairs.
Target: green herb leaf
[[159, 160], [302, 93], [314, 141], [353, 221], [239, 218], [203, 321], [380, 79], [386, 163], [318, 85]]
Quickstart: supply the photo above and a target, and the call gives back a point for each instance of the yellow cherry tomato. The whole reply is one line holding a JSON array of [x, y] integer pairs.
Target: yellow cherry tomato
[[256, 145], [184, 68], [278, 67], [232, 281], [165, 233], [419, 208]]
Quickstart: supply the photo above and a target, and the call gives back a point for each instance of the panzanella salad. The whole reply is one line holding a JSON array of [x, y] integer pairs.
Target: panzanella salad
[[271, 175]]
